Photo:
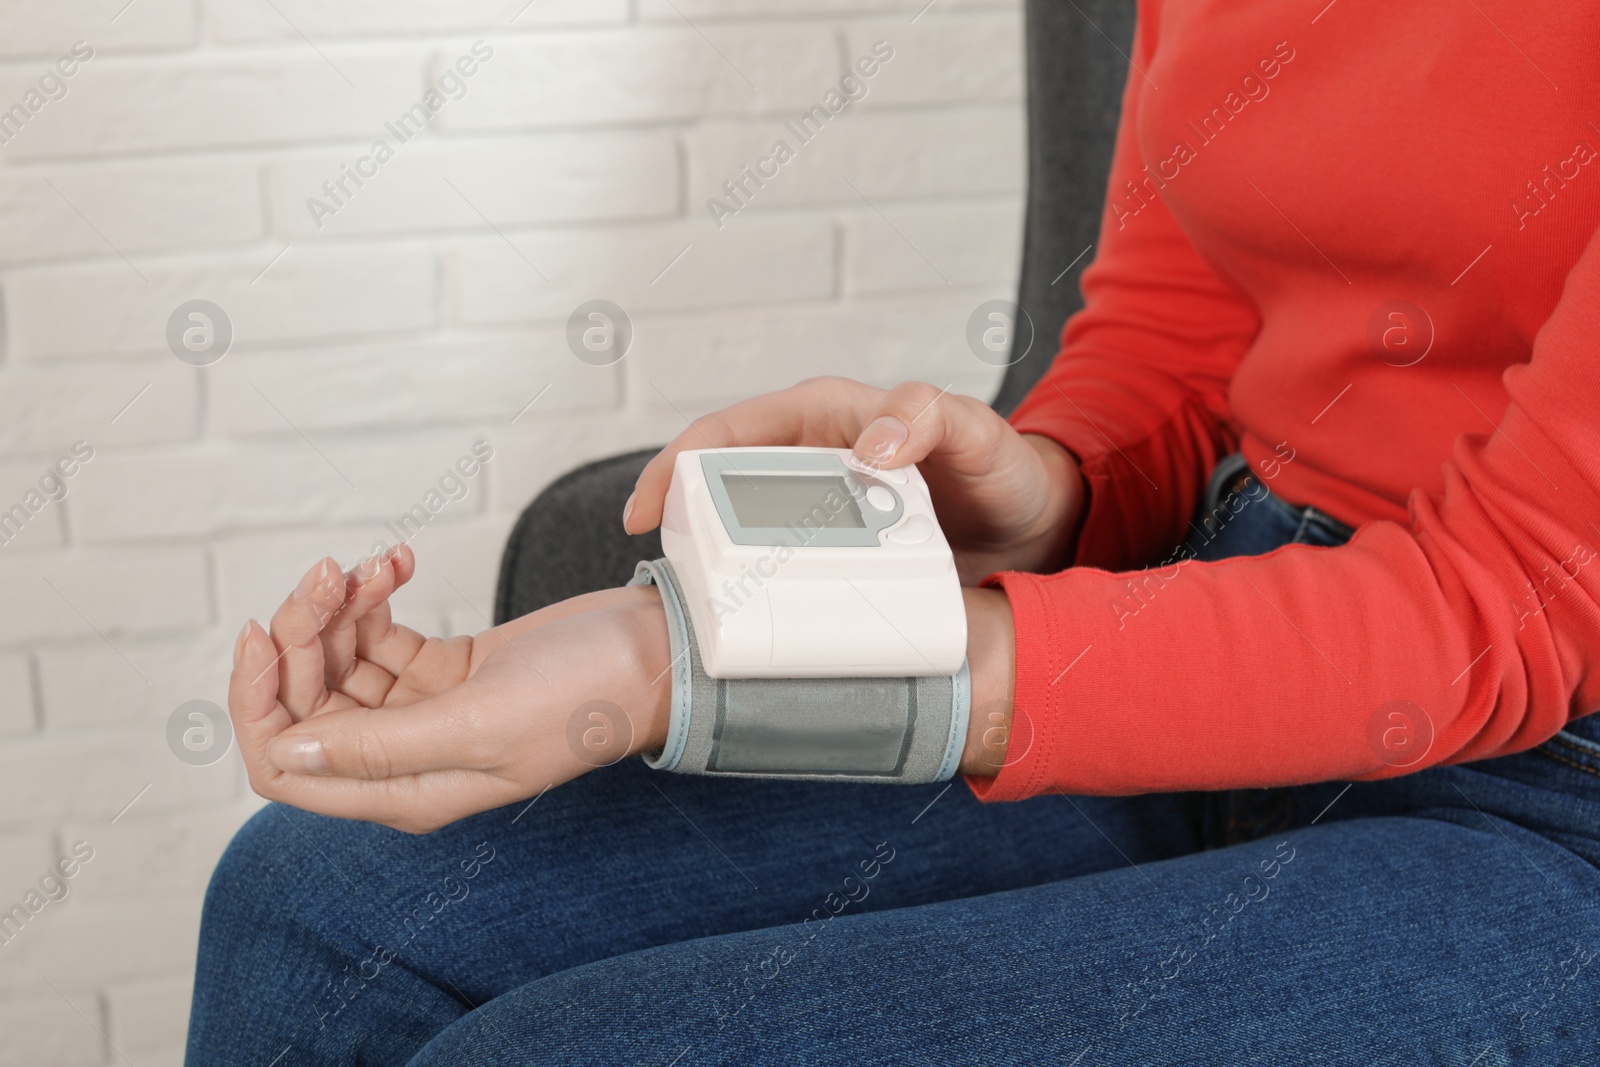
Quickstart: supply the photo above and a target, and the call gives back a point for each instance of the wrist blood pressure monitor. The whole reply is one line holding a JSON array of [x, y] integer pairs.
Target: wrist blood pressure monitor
[[817, 623], [795, 565]]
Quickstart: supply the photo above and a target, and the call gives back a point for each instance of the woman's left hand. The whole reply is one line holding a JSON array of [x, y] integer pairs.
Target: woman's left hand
[[341, 711]]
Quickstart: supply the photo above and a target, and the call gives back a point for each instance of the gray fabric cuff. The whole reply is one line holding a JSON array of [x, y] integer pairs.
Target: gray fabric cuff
[[906, 730]]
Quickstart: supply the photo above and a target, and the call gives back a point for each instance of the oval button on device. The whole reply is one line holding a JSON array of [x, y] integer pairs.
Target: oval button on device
[[914, 531], [880, 498]]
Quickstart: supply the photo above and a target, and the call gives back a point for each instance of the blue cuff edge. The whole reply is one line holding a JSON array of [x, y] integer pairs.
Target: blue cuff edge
[[960, 714], [678, 635]]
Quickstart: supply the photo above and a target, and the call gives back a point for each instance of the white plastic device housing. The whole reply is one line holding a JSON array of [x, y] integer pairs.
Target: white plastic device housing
[[771, 611]]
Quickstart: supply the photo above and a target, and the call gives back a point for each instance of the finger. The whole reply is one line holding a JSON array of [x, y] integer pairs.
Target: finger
[[413, 803], [296, 630], [372, 745], [366, 684], [916, 420], [405, 564], [378, 640], [253, 700], [367, 586], [820, 412]]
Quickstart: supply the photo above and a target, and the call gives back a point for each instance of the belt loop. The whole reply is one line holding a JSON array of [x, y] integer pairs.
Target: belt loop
[[1331, 527], [1306, 515]]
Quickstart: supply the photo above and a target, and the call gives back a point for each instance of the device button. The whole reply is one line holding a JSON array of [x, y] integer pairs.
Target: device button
[[914, 531], [880, 498]]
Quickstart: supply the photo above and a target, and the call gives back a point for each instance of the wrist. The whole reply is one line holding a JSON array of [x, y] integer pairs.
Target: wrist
[[991, 663], [1054, 540], [649, 663]]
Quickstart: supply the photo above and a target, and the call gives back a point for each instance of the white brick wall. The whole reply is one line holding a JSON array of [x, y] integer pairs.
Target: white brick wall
[[372, 350]]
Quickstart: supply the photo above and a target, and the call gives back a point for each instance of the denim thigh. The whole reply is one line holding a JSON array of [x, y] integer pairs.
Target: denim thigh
[[348, 942], [1375, 941]]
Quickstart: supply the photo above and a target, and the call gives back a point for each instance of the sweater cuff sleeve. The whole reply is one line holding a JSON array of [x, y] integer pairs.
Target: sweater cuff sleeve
[[1024, 772], [1143, 472]]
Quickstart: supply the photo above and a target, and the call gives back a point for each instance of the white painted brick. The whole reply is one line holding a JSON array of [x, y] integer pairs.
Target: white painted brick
[[87, 684], [407, 384], [211, 100], [957, 152], [44, 1028], [122, 590], [55, 215], [46, 409], [966, 243], [84, 946], [456, 567], [250, 20], [151, 851], [16, 700], [24, 857], [393, 337], [21, 527], [444, 185], [192, 493], [945, 59], [150, 1015], [539, 453], [93, 777], [165, 1056], [676, 10], [648, 74], [50, 29], [763, 261], [702, 362], [309, 293]]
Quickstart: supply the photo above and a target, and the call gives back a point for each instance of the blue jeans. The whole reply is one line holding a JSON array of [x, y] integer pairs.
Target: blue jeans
[[1446, 917]]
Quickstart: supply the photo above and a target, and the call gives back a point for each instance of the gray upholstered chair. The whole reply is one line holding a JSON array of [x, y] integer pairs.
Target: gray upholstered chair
[[1076, 59]]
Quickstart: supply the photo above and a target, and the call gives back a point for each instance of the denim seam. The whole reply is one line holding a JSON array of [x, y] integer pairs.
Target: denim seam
[[1586, 751], [1580, 744], [1543, 751]]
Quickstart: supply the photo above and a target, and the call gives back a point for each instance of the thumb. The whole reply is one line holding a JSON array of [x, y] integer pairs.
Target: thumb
[[916, 420], [376, 743]]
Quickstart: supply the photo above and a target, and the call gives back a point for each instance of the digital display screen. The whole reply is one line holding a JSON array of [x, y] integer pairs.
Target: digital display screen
[[814, 501]]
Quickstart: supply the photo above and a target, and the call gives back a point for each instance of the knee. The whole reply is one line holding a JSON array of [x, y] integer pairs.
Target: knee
[[281, 935], [260, 913], [282, 876], [249, 880]]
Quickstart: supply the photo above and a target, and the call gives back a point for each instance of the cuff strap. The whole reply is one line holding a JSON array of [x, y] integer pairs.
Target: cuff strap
[[907, 730]]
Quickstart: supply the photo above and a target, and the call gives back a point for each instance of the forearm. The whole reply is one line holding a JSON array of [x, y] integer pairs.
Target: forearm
[[1050, 547]]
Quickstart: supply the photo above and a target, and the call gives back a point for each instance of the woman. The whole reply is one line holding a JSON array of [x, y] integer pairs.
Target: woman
[[1317, 786]]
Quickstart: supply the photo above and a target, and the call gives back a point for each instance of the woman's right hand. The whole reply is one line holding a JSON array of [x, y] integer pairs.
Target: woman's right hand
[[1006, 501]]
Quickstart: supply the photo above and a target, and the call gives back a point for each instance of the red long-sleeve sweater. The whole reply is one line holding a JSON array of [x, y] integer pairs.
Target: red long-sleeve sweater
[[1359, 242]]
